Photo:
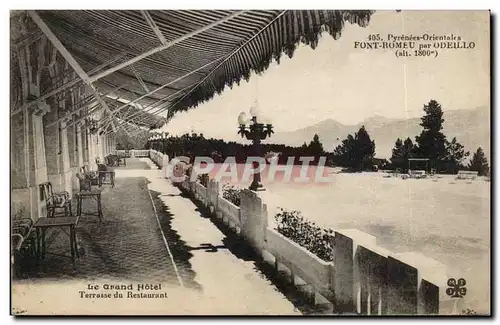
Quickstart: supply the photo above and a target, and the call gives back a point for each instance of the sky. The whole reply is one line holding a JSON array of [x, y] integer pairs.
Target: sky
[[337, 81]]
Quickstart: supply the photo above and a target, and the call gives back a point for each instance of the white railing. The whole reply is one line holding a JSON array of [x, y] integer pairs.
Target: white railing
[[229, 213], [213, 190], [363, 278], [123, 153], [133, 153], [156, 157], [139, 153], [200, 192]]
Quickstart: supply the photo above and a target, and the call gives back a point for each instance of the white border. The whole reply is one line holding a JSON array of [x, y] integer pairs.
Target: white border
[[197, 4]]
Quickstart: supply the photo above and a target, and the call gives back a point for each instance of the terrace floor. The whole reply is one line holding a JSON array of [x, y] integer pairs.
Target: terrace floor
[[152, 234]]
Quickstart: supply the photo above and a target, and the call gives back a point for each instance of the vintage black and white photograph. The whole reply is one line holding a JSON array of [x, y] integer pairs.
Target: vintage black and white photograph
[[250, 162]]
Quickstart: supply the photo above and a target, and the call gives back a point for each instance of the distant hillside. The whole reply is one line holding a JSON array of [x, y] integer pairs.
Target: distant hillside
[[470, 126]]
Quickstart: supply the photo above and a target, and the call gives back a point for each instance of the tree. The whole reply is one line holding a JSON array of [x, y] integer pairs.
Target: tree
[[343, 154], [315, 145], [315, 148], [431, 141], [193, 144], [401, 152], [479, 163], [455, 154], [398, 158], [355, 152], [364, 149]]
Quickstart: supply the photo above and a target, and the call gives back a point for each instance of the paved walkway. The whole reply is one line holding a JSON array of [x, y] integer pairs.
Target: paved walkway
[[151, 234], [127, 245], [209, 260]]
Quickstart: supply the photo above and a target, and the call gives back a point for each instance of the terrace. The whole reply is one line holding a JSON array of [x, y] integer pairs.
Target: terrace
[[150, 233], [66, 108], [190, 238]]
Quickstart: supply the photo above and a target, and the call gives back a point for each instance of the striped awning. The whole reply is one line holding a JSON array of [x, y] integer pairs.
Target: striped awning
[[168, 61]]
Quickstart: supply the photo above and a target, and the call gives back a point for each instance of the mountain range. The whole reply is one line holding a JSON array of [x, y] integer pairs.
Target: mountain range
[[471, 127]]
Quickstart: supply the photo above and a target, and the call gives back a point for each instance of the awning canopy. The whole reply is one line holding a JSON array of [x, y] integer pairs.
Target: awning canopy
[[169, 61]]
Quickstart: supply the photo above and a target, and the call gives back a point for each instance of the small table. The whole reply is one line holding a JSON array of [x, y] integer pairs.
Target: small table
[[43, 224], [94, 194], [103, 176]]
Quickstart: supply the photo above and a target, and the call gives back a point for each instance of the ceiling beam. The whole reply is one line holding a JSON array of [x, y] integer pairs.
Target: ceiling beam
[[222, 59], [149, 110], [164, 47], [103, 104], [128, 126], [163, 86], [91, 79], [153, 26], [222, 62], [82, 108], [151, 107], [138, 77]]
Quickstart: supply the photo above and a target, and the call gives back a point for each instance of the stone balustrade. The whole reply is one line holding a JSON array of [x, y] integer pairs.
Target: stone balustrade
[[363, 278]]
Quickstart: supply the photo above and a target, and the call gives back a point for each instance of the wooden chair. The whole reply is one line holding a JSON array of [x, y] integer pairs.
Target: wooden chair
[[56, 201], [23, 244]]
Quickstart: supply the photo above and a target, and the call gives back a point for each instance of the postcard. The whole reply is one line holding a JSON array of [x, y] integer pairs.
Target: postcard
[[250, 162]]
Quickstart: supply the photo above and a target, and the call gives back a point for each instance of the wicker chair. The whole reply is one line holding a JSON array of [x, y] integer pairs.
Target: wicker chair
[[56, 201], [92, 176], [23, 244], [85, 183]]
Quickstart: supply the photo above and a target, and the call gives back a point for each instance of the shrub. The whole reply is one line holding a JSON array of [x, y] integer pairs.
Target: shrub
[[317, 240], [232, 194]]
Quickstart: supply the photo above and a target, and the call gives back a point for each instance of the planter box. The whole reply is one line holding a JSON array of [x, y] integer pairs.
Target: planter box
[[301, 262]]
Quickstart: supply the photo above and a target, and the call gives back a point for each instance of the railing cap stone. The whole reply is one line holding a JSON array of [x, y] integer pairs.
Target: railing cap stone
[[428, 268]]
